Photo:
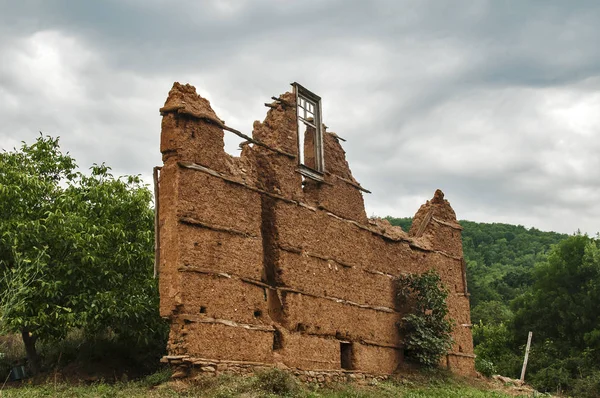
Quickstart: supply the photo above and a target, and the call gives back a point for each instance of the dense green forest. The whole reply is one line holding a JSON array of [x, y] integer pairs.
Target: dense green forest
[[523, 280]]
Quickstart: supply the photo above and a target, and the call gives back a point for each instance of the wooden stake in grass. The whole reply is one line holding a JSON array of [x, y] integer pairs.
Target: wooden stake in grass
[[5, 380], [526, 356]]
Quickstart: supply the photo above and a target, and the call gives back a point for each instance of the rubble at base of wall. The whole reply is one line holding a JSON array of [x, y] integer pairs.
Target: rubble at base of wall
[[185, 367]]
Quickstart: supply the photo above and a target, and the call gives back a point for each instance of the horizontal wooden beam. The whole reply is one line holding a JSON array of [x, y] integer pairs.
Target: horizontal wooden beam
[[219, 228], [226, 322], [354, 184]]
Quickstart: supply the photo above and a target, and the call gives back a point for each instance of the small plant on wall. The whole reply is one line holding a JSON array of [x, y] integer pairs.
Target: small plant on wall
[[425, 327]]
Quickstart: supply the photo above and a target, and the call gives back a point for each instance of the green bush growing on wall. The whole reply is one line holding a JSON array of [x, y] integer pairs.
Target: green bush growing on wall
[[425, 327]]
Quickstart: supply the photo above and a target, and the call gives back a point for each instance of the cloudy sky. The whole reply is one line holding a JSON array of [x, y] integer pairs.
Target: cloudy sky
[[495, 102]]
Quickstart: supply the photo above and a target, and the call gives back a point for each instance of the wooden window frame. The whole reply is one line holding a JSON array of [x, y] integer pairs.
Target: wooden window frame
[[307, 99]]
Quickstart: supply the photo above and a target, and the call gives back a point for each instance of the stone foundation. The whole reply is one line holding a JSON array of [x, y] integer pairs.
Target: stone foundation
[[185, 367]]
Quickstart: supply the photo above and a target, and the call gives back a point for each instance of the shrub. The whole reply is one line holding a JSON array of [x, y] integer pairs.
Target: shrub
[[588, 386], [276, 381], [426, 328], [485, 367], [554, 378], [493, 344], [12, 352]]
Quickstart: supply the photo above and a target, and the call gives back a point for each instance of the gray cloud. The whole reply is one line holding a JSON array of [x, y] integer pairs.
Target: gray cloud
[[494, 102]]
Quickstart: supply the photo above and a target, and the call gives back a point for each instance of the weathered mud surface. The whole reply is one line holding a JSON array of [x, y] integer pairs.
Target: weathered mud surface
[[261, 266]]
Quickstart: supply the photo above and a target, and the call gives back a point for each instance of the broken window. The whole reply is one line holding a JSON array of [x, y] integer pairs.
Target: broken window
[[310, 134]]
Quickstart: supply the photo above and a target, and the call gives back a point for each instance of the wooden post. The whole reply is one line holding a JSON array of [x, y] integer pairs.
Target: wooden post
[[526, 356], [156, 227]]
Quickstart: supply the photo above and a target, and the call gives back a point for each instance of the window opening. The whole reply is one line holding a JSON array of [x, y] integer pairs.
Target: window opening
[[346, 355], [309, 133]]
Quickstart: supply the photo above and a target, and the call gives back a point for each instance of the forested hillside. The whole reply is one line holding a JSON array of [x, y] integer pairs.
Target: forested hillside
[[500, 260], [523, 280]]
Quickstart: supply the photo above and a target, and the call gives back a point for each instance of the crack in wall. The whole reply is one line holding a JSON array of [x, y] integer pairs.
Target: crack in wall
[[268, 230]]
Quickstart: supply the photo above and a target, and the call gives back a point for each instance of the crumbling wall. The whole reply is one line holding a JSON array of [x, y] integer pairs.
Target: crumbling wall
[[259, 265]]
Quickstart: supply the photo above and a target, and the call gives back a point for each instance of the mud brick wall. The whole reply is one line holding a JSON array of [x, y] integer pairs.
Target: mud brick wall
[[260, 266]]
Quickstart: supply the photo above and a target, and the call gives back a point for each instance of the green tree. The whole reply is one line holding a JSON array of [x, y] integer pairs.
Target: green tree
[[494, 346], [562, 311], [491, 313], [76, 250]]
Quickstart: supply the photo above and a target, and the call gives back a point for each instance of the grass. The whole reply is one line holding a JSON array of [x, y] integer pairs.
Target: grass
[[273, 383]]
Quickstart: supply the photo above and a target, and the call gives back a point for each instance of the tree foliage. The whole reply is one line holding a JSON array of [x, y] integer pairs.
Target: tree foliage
[[563, 302], [76, 249], [562, 311], [425, 328], [493, 347]]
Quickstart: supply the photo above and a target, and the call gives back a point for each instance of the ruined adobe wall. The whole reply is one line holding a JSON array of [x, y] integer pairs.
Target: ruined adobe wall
[[258, 268]]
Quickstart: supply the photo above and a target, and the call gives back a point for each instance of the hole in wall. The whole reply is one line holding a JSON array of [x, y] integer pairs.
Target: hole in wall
[[233, 144], [308, 184], [178, 307], [277, 340], [257, 313], [346, 358], [203, 310], [275, 306], [301, 327]]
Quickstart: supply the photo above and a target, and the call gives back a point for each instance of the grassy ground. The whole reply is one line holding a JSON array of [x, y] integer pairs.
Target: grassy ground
[[75, 368], [269, 384]]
